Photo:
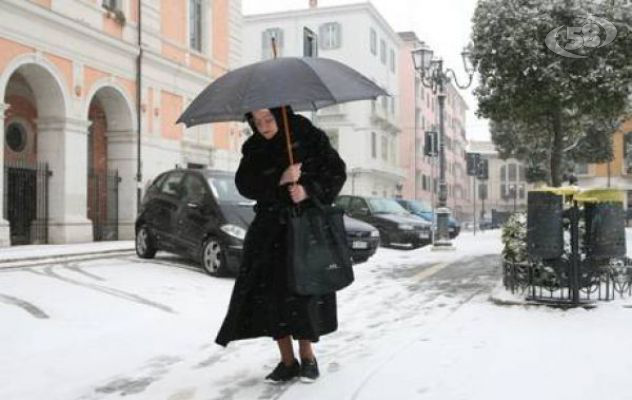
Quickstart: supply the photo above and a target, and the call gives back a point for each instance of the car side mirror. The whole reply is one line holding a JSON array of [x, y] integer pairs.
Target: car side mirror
[[364, 211]]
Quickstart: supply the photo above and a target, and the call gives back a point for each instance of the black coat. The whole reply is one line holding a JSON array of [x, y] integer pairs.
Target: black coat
[[261, 304]]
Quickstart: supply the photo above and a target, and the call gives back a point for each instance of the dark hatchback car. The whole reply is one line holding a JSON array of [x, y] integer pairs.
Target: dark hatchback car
[[398, 227], [200, 214], [424, 211]]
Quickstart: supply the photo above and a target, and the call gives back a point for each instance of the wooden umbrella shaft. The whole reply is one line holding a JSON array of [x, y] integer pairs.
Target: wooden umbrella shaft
[[286, 128]]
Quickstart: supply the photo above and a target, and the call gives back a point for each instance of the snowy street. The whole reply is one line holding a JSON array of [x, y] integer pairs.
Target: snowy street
[[415, 325]]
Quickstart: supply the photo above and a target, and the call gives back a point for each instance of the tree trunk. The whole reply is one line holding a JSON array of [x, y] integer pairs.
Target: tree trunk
[[557, 152]]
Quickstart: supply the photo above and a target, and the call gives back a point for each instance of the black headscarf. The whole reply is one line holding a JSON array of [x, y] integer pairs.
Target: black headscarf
[[278, 116]]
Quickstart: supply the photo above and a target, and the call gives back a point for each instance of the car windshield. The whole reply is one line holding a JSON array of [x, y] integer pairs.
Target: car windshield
[[225, 191], [419, 207], [386, 206]]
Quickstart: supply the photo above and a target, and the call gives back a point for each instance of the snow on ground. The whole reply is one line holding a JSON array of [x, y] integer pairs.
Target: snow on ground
[[415, 325], [54, 250]]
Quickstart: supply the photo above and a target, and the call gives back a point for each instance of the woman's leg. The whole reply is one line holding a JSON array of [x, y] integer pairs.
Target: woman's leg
[[306, 350], [287, 350]]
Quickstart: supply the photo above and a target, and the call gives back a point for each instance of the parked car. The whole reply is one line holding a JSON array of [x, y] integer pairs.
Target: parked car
[[424, 211], [200, 214], [398, 227]]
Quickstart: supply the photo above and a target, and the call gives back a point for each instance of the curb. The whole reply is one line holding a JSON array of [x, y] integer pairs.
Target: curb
[[35, 261]]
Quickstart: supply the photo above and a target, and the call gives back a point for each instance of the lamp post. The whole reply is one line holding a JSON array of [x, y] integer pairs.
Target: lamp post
[[434, 77]]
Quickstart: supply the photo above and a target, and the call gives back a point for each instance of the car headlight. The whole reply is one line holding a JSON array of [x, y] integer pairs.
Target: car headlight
[[234, 231], [405, 227], [375, 233]]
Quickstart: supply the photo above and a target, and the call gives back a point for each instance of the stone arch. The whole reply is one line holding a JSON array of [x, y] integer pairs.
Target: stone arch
[[35, 92], [45, 79], [112, 141]]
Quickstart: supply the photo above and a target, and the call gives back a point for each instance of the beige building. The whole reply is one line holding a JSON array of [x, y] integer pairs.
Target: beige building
[[83, 85], [507, 187]]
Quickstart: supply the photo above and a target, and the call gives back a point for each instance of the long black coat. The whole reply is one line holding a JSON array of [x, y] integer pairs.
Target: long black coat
[[261, 304]]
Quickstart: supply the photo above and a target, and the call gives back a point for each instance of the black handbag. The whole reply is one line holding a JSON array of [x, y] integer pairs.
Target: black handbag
[[319, 259]]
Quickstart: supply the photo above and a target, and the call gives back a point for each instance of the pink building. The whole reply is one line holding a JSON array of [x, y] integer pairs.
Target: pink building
[[419, 112], [83, 85]]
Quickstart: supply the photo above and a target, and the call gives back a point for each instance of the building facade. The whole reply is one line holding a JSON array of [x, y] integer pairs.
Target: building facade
[[615, 174], [366, 133], [506, 188], [420, 113], [78, 82]]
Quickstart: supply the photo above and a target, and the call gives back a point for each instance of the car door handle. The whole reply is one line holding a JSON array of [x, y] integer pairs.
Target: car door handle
[[193, 205]]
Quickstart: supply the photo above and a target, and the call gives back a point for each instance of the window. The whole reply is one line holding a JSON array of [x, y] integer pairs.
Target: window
[[512, 173], [357, 204], [393, 152], [503, 190], [522, 173], [111, 5], [310, 45], [193, 187], [627, 151], [332, 134], [384, 104], [425, 181], [434, 185], [373, 42], [391, 60], [503, 173], [521, 192], [172, 184], [343, 201], [330, 36], [581, 168], [383, 51], [195, 24], [392, 106], [384, 148], [266, 42], [16, 137], [373, 145]]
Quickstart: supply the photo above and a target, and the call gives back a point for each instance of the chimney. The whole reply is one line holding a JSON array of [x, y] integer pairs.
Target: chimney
[[313, 3]]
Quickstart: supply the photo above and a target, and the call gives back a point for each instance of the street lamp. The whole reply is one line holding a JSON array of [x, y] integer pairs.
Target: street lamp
[[433, 76]]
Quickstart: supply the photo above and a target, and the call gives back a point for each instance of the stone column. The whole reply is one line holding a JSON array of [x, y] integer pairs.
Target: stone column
[[122, 157], [5, 233], [62, 143]]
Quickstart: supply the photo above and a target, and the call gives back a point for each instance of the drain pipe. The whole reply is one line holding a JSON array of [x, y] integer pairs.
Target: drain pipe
[[139, 88]]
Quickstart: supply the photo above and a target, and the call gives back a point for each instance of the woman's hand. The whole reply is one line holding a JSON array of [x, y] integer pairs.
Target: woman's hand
[[297, 193], [291, 175]]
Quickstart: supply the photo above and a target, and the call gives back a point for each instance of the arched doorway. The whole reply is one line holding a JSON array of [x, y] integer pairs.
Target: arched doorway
[[25, 178], [110, 164]]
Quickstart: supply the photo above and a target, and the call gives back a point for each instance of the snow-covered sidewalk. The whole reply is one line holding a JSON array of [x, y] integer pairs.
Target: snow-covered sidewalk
[[415, 325], [45, 253]]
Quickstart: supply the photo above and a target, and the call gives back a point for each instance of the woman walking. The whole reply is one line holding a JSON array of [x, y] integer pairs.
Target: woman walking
[[261, 304]]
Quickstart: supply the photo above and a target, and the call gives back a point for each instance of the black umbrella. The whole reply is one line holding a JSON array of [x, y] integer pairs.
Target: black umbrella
[[304, 83]]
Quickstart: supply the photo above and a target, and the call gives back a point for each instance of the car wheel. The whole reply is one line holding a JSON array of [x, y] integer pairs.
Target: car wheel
[[213, 258], [145, 247]]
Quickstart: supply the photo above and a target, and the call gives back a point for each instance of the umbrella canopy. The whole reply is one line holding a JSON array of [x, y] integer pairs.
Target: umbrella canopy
[[304, 83]]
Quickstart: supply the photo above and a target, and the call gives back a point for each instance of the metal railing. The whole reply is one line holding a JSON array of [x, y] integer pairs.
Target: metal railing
[[103, 203], [25, 203]]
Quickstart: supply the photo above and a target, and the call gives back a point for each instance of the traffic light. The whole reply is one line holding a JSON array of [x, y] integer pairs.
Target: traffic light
[[472, 161], [431, 144], [483, 169]]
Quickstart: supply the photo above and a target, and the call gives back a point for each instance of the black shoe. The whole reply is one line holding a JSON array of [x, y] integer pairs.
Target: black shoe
[[309, 370], [284, 373]]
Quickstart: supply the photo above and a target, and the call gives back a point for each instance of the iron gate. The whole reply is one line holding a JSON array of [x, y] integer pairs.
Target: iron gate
[[26, 201], [103, 203]]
